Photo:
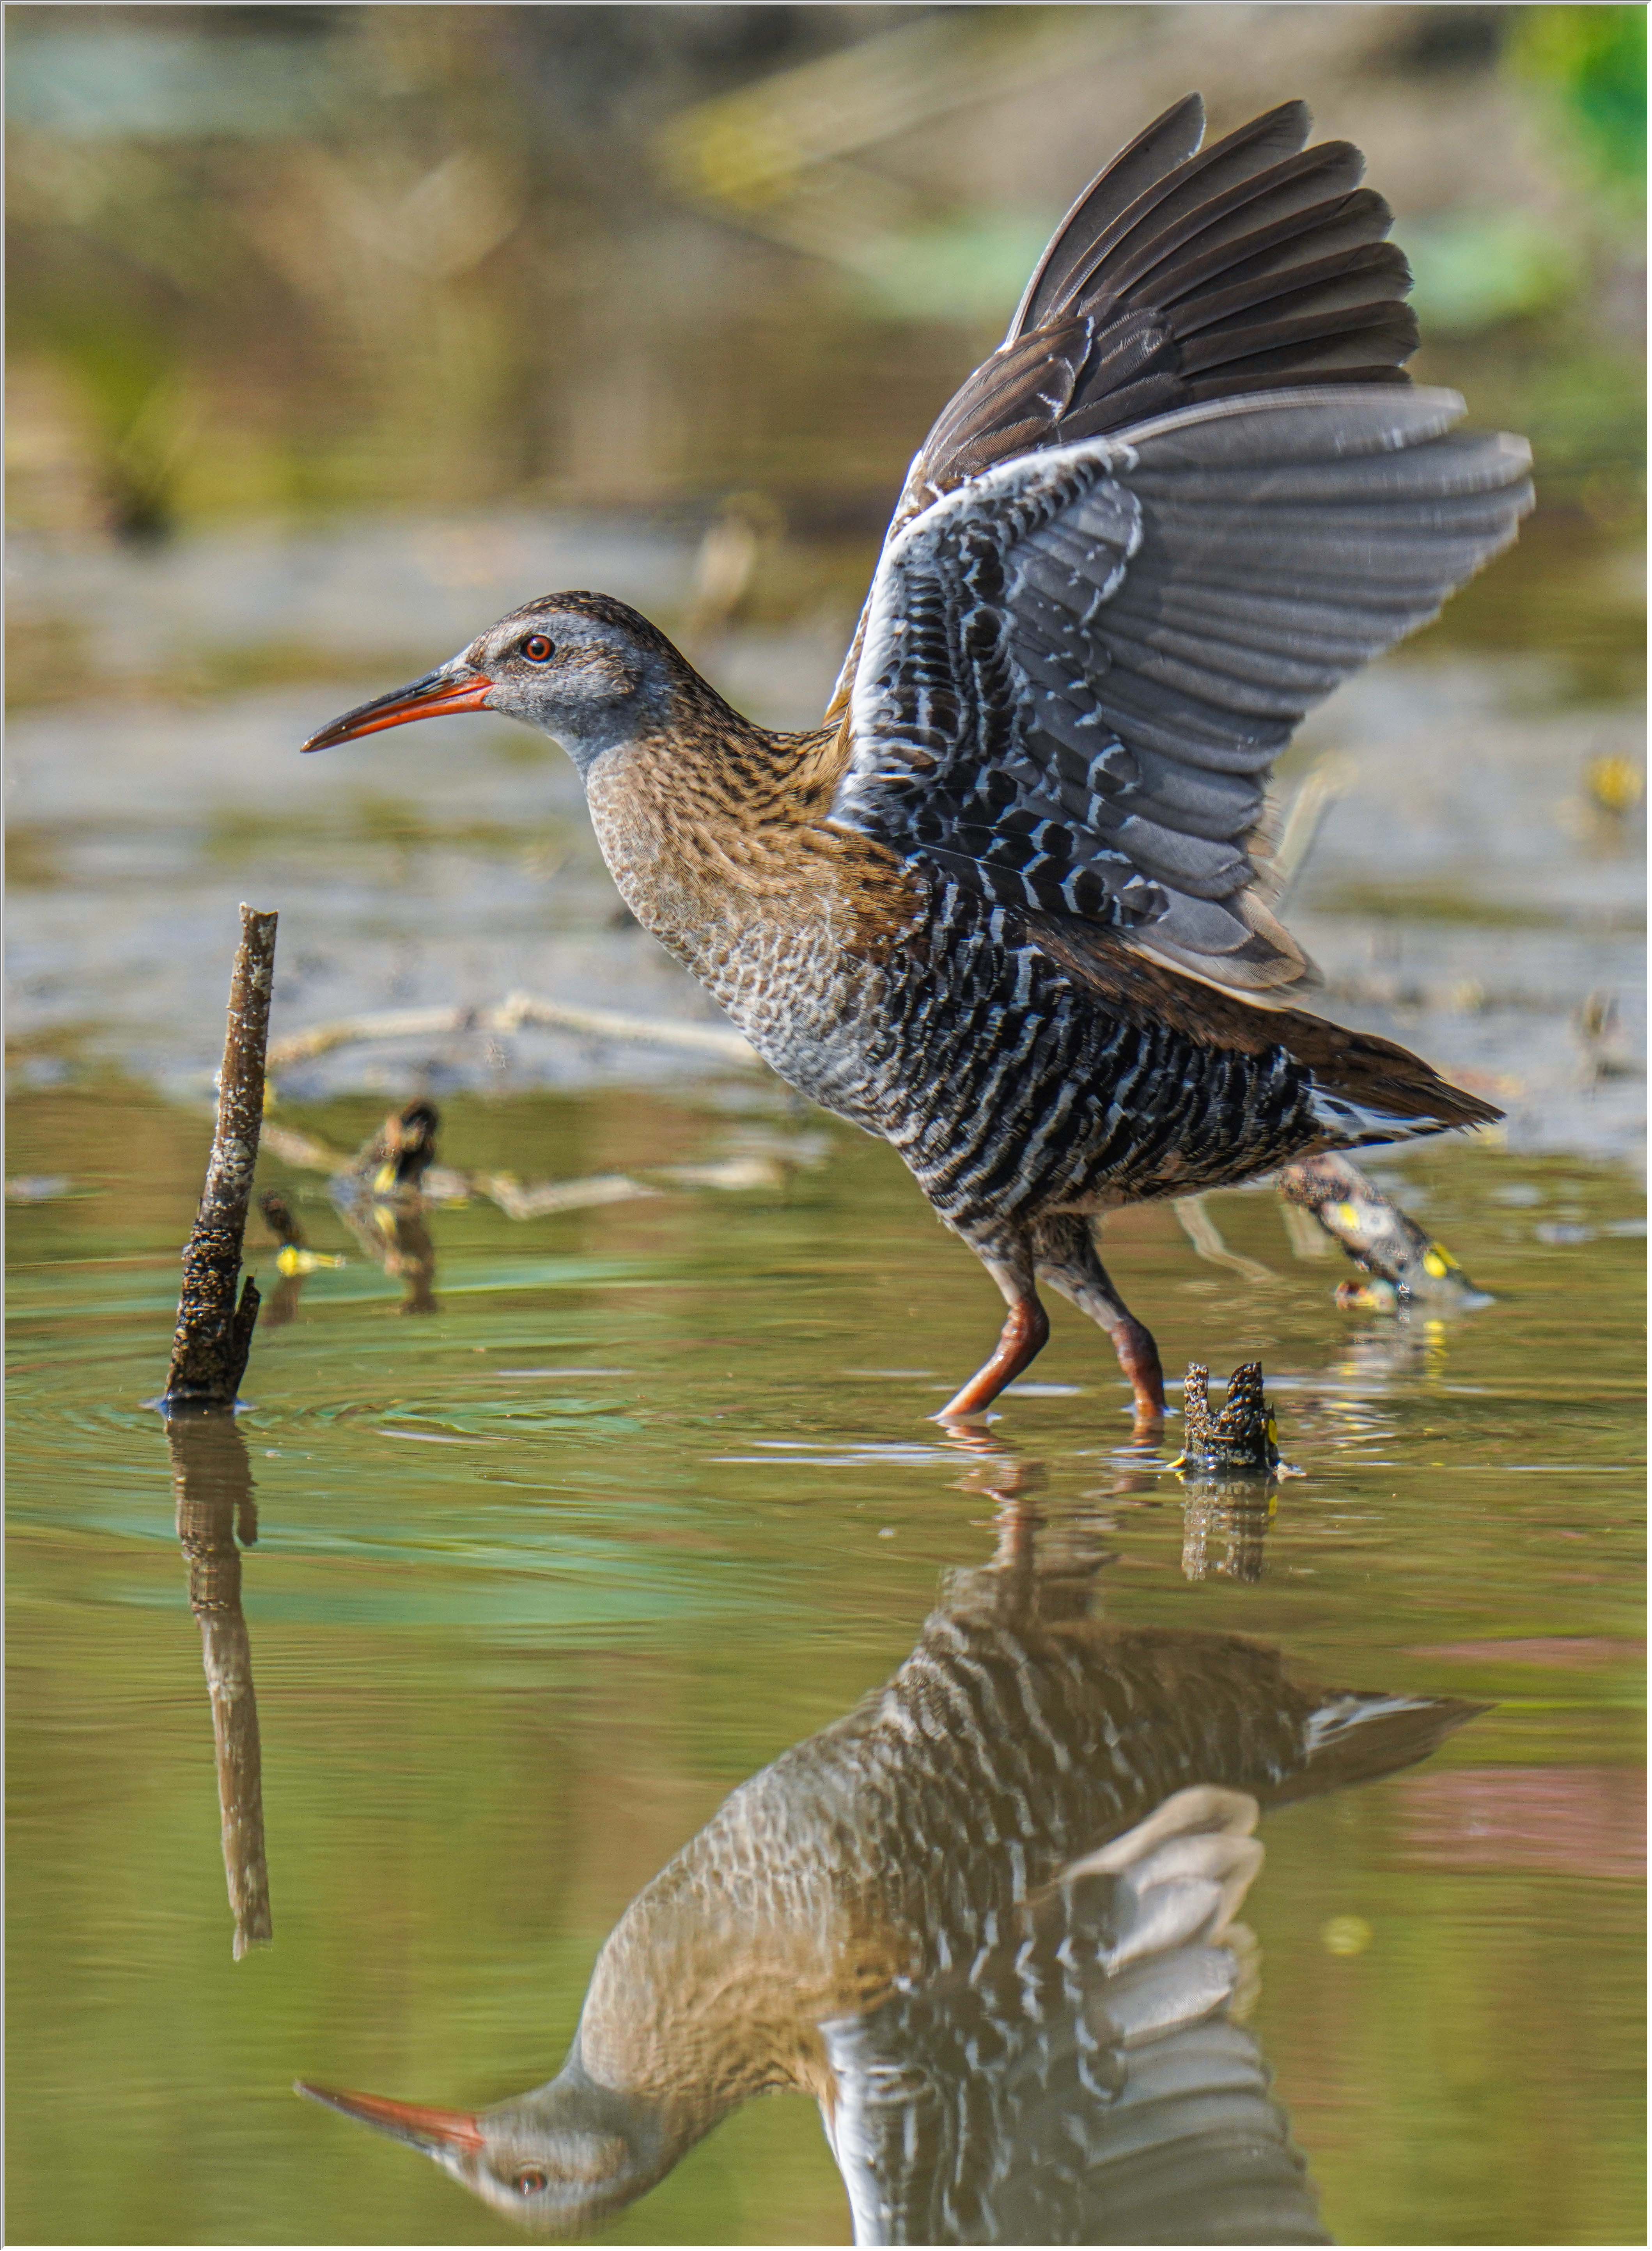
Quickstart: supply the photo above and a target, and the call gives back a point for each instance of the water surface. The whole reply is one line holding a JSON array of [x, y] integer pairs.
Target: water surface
[[643, 1493], [540, 1575]]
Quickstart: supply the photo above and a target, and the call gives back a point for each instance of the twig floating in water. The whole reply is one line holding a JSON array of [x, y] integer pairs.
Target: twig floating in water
[[214, 1333]]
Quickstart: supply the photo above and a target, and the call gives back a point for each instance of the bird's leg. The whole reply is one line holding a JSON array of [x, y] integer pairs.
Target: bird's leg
[[1023, 1337], [1065, 1257]]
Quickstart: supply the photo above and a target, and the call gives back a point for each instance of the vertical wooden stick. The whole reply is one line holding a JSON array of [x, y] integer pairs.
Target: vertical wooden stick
[[214, 1334]]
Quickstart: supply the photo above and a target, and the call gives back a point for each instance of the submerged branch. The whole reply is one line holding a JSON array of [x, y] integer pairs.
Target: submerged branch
[[1407, 1265], [509, 1015], [535, 1200]]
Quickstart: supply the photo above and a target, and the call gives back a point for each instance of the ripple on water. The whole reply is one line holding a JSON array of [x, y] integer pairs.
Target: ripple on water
[[515, 1502]]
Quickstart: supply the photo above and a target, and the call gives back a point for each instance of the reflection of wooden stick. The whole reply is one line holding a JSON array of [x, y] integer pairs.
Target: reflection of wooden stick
[[394, 1236], [214, 1335], [213, 1486], [511, 1013], [1238, 1513]]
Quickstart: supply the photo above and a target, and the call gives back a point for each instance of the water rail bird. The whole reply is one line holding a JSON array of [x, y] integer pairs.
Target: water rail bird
[[987, 1919], [1008, 908]]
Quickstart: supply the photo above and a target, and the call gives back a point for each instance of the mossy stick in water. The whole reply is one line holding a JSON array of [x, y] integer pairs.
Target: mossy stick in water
[[214, 1333]]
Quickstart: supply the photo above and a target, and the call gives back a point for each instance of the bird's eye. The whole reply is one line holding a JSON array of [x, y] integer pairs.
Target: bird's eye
[[531, 2180], [536, 649]]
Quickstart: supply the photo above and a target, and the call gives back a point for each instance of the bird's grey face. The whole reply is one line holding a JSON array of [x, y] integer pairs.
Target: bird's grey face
[[585, 680], [554, 2161]]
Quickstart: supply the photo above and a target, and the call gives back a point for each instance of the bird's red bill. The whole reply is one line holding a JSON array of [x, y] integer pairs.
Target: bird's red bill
[[410, 2122], [435, 698]]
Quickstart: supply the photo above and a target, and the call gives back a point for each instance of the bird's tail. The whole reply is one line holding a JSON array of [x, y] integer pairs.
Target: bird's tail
[[1365, 1088], [1370, 1089], [1359, 1735]]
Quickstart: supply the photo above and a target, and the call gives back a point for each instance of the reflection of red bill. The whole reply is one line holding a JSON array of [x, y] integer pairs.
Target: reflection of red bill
[[409, 2122]]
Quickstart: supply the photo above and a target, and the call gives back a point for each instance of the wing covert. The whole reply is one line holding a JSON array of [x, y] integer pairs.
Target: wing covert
[[1079, 665]]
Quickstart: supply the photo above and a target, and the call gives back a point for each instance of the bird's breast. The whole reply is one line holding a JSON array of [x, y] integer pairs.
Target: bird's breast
[[786, 922]]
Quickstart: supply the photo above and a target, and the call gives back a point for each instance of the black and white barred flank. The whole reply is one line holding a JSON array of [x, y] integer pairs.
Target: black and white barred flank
[[1035, 1096], [1011, 1090], [1078, 667]]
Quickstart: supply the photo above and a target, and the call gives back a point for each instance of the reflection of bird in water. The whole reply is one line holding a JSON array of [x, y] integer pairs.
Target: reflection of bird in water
[[1011, 2038], [1035, 2094], [1008, 908]]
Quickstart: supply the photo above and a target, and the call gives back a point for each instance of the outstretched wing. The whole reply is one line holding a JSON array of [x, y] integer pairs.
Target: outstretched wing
[[1102, 645], [1181, 275], [1079, 666], [1082, 2079]]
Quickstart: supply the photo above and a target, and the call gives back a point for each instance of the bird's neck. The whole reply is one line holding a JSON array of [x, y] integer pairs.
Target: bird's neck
[[716, 829], [714, 1983]]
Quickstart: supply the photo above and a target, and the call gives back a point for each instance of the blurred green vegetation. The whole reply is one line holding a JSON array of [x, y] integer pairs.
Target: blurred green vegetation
[[1593, 60], [309, 258]]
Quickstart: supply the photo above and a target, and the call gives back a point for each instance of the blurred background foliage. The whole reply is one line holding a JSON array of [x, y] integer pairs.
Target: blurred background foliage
[[279, 260]]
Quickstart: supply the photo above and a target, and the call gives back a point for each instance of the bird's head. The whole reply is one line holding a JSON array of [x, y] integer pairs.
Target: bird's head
[[556, 2161], [582, 667]]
